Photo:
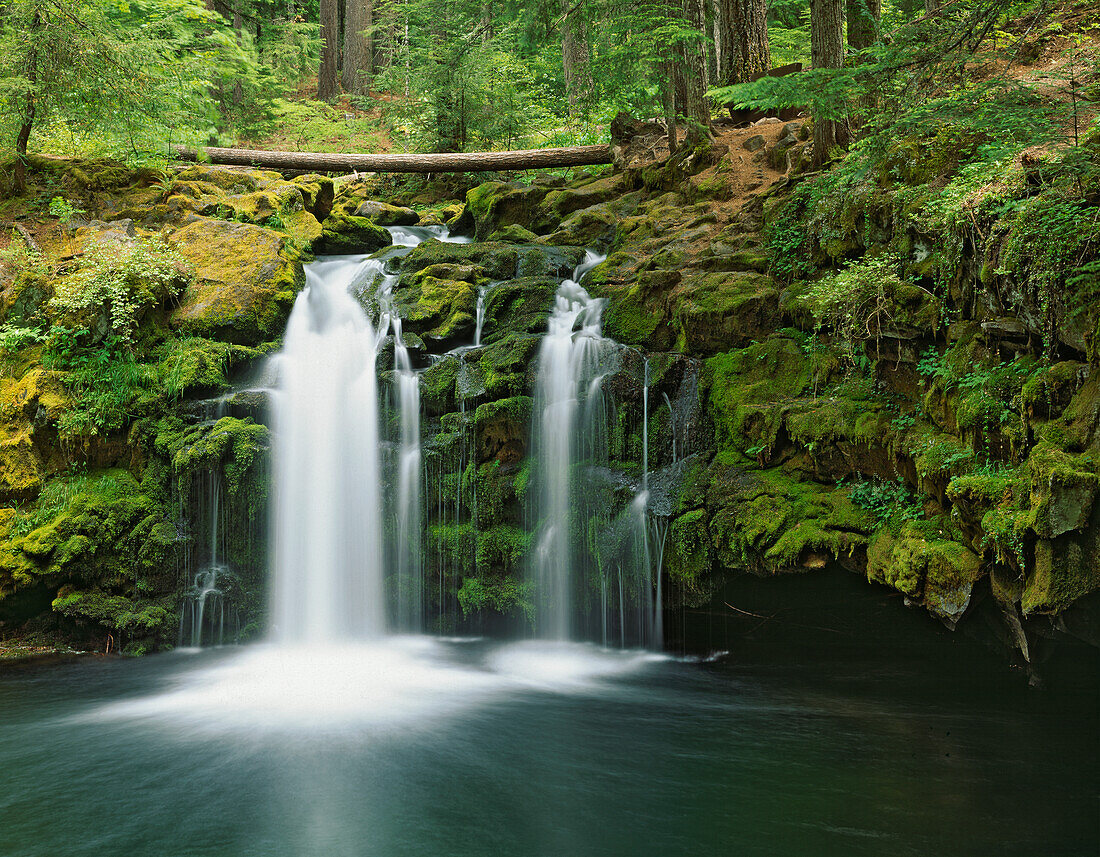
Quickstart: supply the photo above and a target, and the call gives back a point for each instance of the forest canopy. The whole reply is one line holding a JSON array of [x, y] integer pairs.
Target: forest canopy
[[130, 79]]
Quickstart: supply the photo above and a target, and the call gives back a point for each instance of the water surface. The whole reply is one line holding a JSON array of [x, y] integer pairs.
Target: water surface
[[412, 746]]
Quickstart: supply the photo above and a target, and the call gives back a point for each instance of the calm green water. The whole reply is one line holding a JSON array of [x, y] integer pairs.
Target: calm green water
[[477, 748]]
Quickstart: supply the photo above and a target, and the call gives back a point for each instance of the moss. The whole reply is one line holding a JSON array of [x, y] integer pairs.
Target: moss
[[21, 466], [770, 522], [505, 596], [245, 281], [1065, 570], [193, 363], [437, 309], [1049, 391], [504, 365], [502, 550], [748, 391], [513, 233], [1063, 489], [346, 233], [438, 386], [688, 556], [494, 205], [91, 538], [501, 429], [939, 573], [229, 445], [518, 306], [832, 419], [717, 310], [496, 261]]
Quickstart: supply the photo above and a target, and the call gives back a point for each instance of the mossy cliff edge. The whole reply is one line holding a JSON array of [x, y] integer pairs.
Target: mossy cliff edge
[[869, 372]]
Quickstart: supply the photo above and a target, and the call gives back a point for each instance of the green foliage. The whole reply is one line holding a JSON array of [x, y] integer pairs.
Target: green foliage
[[123, 282], [14, 338], [887, 502], [505, 596], [105, 378], [858, 303]]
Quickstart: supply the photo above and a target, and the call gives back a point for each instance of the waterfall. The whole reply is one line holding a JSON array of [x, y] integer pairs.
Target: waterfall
[[328, 556], [341, 483], [568, 364]]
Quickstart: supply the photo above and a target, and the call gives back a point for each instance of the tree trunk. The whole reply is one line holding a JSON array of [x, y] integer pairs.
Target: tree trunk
[[723, 36], [358, 47], [574, 57], [330, 35], [931, 6], [474, 162], [30, 108], [827, 51], [750, 53], [694, 68], [668, 94], [863, 19]]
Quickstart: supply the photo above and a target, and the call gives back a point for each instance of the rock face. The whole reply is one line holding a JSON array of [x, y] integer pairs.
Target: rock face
[[244, 284], [824, 390]]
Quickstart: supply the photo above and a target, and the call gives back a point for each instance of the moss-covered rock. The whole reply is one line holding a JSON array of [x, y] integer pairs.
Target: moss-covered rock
[[88, 540], [347, 233], [722, 310], [245, 281], [501, 429], [21, 469], [521, 305], [494, 205], [439, 309], [938, 573]]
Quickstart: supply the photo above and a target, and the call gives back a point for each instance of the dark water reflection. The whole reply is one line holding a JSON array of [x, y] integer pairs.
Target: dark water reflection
[[743, 756]]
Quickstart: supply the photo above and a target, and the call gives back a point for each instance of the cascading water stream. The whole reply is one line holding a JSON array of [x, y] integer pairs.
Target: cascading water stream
[[569, 359], [328, 511], [330, 553]]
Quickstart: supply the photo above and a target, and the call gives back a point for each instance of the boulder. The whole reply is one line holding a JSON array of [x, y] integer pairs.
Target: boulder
[[245, 281]]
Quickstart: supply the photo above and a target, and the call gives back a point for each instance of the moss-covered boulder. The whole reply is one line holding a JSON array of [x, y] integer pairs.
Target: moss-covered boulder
[[501, 429], [721, 310], [245, 281], [87, 540], [347, 233], [440, 309], [383, 214], [938, 573], [21, 468], [558, 204], [493, 205], [520, 305]]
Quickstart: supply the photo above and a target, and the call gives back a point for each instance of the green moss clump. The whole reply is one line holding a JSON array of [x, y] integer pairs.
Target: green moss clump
[[749, 392], [231, 446], [500, 595], [688, 556], [770, 522], [501, 427], [104, 546], [939, 573], [346, 233], [245, 281]]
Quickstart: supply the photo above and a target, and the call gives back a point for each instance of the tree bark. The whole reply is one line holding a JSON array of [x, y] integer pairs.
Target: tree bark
[[30, 108], [574, 57], [694, 67], [330, 36], [863, 21], [750, 53], [827, 51], [474, 162], [358, 47]]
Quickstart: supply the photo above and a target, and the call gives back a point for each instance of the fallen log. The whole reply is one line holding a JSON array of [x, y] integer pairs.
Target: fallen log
[[473, 162]]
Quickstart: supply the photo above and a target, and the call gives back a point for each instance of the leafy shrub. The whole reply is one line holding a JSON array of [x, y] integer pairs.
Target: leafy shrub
[[123, 281]]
